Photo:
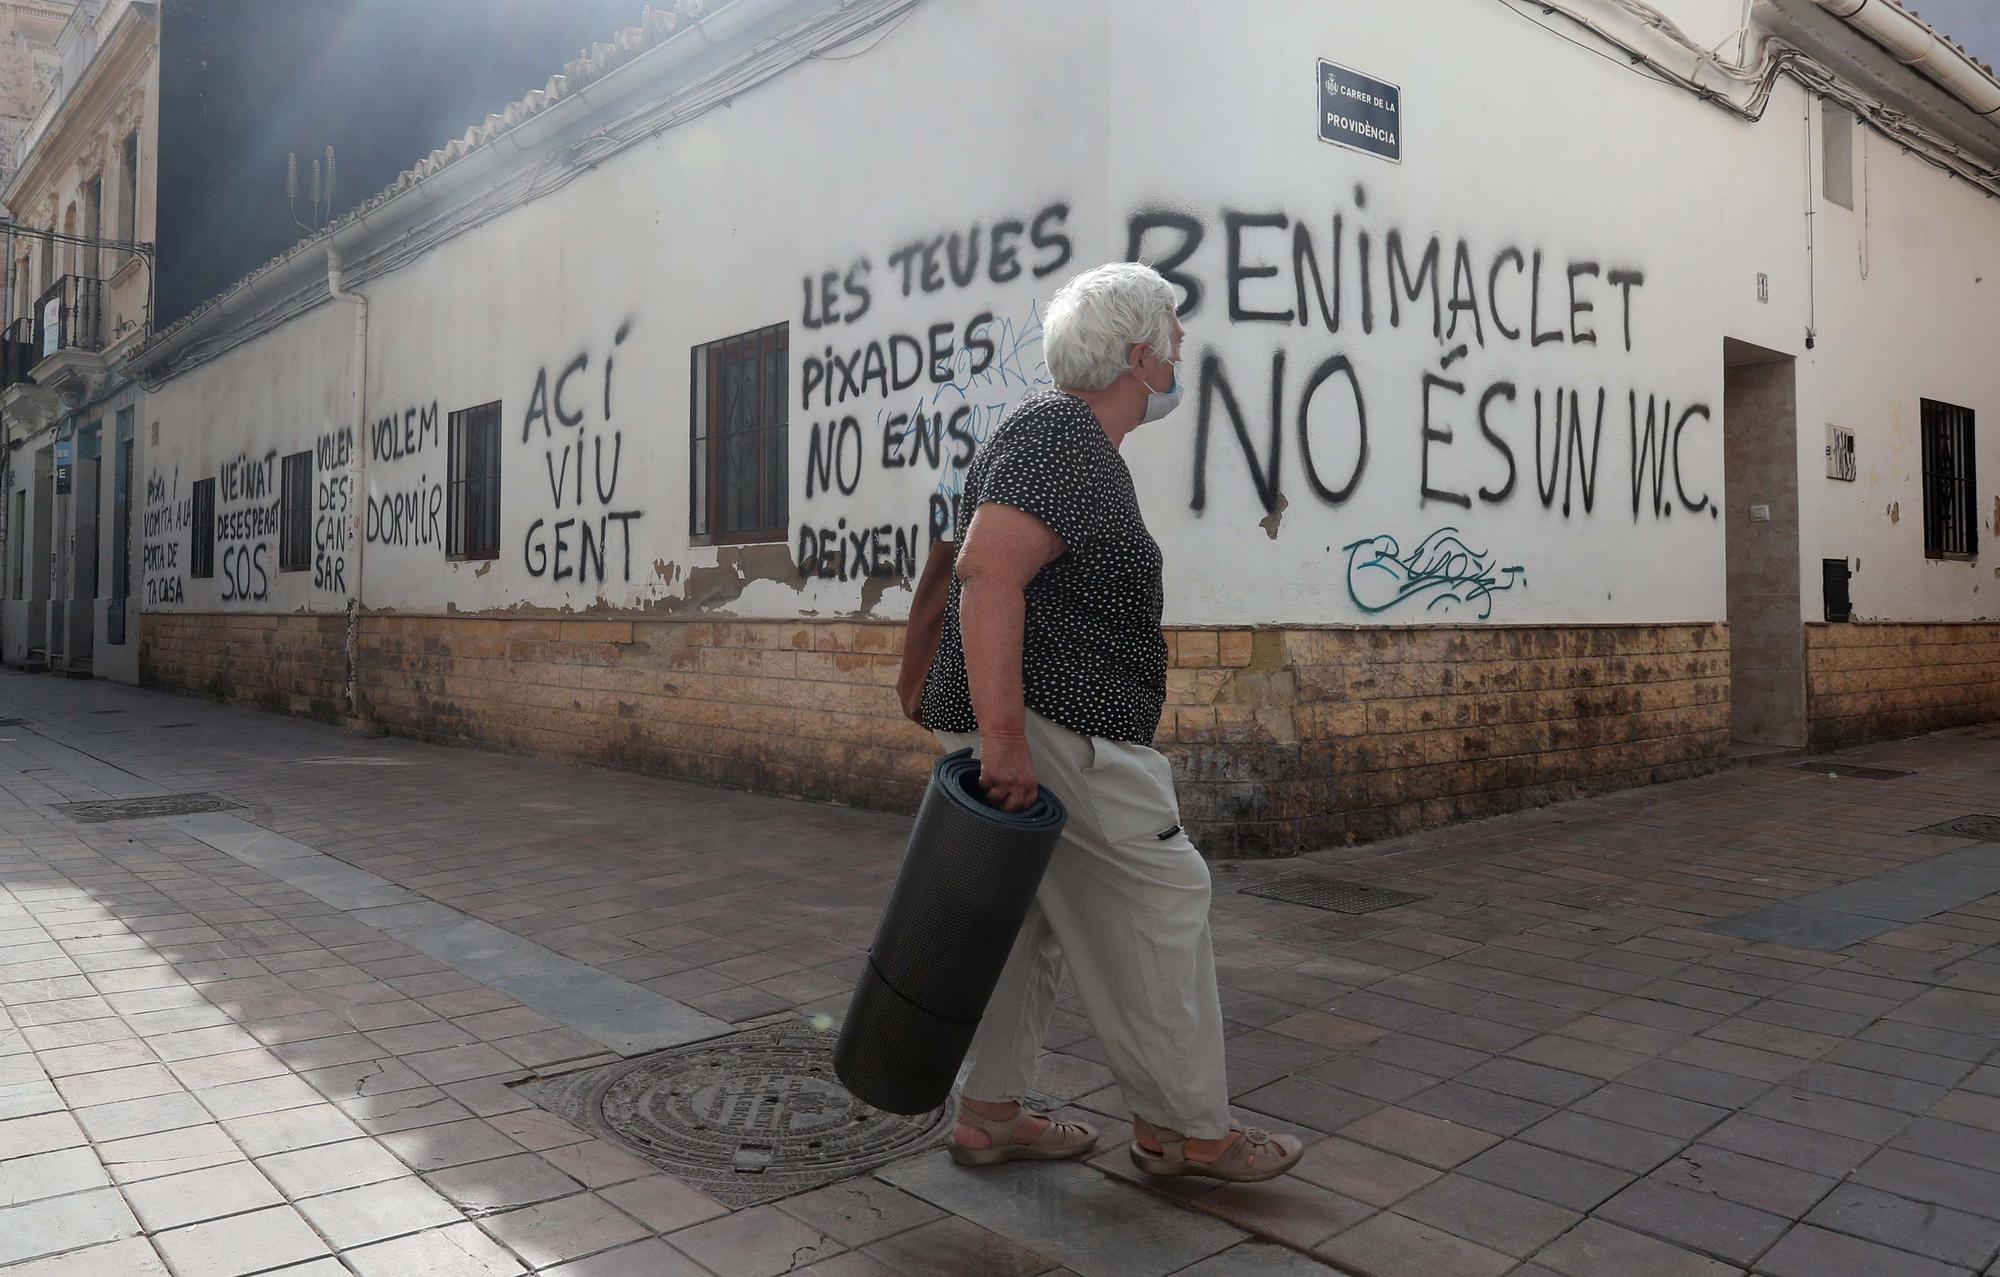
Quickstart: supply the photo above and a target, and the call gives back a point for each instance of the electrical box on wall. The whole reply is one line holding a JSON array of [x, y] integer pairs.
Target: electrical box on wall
[[1839, 453], [1835, 576]]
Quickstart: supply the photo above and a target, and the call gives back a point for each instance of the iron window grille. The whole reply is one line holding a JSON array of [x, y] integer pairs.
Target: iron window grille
[[1951, 514], [472, 494], [738, 439], [201, 549], [295, 514], [67, 316]]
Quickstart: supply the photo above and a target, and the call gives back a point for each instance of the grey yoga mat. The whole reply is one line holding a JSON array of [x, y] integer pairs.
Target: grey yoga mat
[[967, 880]]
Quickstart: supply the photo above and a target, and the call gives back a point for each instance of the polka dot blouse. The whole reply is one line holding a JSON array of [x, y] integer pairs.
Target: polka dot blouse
[[1092, 656]]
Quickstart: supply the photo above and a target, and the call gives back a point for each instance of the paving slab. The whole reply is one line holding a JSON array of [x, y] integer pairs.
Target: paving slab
[[1070, 1213], [1560, 1062]]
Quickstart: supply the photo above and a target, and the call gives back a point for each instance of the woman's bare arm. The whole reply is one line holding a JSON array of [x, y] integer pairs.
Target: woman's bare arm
[[920, 642], [1004, 549]]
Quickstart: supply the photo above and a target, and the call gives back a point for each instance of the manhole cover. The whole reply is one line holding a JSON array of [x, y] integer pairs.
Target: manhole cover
[[747, 1119], [96, 813], [1331, 893], [1852, 772], [1984, 828]]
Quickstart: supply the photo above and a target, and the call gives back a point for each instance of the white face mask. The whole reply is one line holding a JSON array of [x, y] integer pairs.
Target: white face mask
[[1161, 402]]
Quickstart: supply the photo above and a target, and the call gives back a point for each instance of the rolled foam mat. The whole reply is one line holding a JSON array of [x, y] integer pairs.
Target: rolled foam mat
[[967, 880]]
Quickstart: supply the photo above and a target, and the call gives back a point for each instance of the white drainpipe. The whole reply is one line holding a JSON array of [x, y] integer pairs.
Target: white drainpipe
[[1917, 46], [357, 466]]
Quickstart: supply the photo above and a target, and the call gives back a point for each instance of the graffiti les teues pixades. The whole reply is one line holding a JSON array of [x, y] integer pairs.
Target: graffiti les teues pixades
[[1441, 571], [918, 396]]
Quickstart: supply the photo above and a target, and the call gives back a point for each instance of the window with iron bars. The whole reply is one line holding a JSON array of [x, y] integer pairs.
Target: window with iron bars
[[1951, 513], [201, 548], [472, 492], [295, 503], [738, 440]]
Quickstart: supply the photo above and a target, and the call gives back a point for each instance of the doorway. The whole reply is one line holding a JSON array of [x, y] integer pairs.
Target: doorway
[[1760, 476]]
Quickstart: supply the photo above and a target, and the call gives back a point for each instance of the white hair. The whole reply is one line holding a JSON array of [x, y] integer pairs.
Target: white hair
[[1096, 318]]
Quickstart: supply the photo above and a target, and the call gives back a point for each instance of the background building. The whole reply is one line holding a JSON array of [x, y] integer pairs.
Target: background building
[[247, 83], [79, 294], [1571, 407], [144, 187], [28, 68]]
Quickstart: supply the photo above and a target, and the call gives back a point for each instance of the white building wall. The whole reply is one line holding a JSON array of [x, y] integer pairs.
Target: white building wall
[[1052, 125], [1909, 293], [234, 422]]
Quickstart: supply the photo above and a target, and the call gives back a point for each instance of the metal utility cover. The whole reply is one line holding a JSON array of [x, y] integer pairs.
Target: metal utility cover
[[1852, 772], [1984, 828], [108, 809], [747, 1119], [1318, 892]]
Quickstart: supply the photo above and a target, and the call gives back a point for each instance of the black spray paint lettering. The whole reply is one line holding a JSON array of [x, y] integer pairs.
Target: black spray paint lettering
[[841, 553], [246, 575], [411, 516], [1520, 305], [833, 457], [167, 516], [247, 478], [574, 539], [1565, 471], [398, 513], [1254, 247], [945, 260], [332, 503], [1266, 471], [892, 364], [397, 436]]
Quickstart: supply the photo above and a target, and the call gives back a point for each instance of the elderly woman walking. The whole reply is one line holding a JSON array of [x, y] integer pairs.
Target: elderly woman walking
[[1048, 660]]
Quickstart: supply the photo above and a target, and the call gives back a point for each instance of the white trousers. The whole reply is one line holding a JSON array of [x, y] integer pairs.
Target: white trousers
[[1125, 901]]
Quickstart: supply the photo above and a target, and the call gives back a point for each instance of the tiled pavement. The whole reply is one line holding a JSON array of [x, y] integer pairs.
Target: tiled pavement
[[223, 1049]]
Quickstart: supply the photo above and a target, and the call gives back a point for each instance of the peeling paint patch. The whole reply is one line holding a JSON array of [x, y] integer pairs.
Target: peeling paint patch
[[484, 568], [875, 587], [721, 585], [1895, 512], [665, 571], [1271, 521]]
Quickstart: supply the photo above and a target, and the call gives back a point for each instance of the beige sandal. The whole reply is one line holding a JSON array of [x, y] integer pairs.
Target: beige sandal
[[1256, 1157], [1059, 1140]]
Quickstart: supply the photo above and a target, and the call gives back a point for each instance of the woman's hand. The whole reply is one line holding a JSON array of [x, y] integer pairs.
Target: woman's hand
[[1007, 772]]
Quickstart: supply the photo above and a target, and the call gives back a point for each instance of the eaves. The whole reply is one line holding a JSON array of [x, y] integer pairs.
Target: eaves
[[646, 73]]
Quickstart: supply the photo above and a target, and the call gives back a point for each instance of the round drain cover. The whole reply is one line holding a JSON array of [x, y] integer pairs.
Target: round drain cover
[[748, 1118]]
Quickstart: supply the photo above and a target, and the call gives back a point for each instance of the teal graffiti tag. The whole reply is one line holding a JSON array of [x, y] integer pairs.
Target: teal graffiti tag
[[1380, 576]]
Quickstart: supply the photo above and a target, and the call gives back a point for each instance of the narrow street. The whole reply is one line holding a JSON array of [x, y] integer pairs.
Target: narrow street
[[286, 1035]]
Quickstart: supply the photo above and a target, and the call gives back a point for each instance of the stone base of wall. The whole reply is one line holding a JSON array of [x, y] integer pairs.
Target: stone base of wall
[[1291, 740], [294, 664], [1283, 740], [1878, 680], [803, 710]]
